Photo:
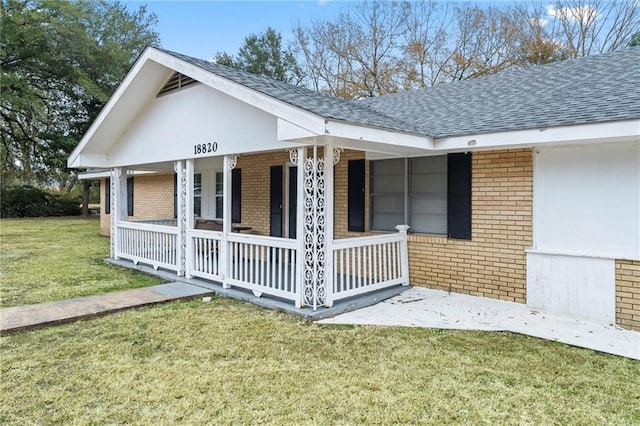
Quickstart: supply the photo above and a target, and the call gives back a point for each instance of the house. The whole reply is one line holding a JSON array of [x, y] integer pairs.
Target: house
[[522, 186]]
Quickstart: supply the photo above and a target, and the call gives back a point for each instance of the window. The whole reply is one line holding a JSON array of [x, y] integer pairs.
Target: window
[[430, 194], [197, 194], [219, 195]]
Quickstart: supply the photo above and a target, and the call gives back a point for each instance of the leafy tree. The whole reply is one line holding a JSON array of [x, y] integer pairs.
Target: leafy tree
[[60, 62], [264, 54]]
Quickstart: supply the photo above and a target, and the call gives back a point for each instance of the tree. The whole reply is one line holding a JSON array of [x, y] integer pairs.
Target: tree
[[264, 54], [60, 62], [357, 55], [378, 47]]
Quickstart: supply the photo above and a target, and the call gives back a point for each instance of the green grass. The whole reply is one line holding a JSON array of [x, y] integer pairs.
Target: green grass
[[226, 362], [43, 260]]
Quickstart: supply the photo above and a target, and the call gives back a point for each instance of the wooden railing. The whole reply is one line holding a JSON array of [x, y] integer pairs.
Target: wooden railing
[[263, 265], [365, 264], [206, 258], [155, 245]]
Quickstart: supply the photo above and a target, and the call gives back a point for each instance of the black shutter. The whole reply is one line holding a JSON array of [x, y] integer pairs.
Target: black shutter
[[107, 196], [236, 195], [355, 196], [130, 196], [175, 196], [275, 201], [459, 196]]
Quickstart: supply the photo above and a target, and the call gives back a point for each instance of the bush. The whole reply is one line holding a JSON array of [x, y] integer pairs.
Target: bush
[[28, 201]]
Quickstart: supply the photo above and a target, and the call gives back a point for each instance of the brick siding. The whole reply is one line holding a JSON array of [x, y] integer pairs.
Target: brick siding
[[628, 294], [152, 199]]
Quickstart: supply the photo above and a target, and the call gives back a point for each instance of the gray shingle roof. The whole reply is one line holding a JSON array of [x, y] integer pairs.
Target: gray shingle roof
[[592, 89], [315, 102], [577, 91]]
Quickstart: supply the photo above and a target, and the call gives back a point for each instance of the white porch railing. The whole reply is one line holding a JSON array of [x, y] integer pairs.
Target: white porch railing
[[206, 255], [148, 243], [365, 264], [263, 265], [165, 222]]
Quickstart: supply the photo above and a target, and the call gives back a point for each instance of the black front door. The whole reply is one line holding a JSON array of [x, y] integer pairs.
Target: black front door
[[293, 201], [276, 201]]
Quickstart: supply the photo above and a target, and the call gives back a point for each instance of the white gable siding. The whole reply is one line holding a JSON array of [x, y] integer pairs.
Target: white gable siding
[[169, 126]]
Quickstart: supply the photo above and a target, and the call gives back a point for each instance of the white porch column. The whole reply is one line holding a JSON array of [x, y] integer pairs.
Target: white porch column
[[181, 217], [187, 206], [331, 157], [297, 157], [118, 206], [404, 253], [225, 255]]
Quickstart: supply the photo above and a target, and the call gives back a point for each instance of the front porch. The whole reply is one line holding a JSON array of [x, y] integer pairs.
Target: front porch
[[310, 268]]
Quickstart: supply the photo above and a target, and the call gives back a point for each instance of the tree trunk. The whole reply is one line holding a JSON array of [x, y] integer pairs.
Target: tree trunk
[[86, 186]]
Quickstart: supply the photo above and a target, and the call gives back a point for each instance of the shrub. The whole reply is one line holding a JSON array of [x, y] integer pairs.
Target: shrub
[[29, 201]]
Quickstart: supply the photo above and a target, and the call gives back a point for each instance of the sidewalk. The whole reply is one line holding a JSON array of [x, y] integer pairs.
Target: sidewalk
[[44, 314], [421, 307]]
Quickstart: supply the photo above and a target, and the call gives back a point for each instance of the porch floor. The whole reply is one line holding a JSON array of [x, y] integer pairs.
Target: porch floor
[[269, 301]]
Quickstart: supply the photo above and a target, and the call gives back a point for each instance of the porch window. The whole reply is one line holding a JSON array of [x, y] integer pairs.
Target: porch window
[[197, 194], [431, 194]]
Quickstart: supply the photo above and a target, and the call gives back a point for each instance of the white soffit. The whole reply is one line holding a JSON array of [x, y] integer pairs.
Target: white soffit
[[613, 131]]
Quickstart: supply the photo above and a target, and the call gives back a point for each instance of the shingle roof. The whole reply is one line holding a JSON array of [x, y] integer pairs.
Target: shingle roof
[[592, 89], [315, 102], [576, 91]]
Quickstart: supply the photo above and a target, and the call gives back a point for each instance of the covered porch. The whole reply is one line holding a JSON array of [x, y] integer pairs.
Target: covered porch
[[307, 264]]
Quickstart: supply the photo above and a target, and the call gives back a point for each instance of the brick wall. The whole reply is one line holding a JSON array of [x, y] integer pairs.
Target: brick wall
[[153, 196], [628, 294], [152, 199], [493, 263], [255, 190]]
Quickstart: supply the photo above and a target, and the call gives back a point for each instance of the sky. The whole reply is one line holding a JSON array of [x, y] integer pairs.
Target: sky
[[203, 28]]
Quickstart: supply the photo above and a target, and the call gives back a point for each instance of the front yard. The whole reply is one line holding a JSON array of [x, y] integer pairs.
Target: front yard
[[47, 259], [226, 362]]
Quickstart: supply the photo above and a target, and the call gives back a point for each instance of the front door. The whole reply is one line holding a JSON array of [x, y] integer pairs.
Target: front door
[[293, 201], [275, 204]]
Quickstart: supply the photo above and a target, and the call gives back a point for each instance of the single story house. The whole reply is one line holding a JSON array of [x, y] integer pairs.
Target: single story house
[[522, 186]]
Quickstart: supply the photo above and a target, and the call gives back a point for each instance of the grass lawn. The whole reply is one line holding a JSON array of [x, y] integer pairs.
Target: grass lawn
[[227, 362], [42, 260]]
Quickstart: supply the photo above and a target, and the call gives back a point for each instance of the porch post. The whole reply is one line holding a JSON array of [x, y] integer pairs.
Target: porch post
[[225, 254], [404, 253], [181, 218], [118, 206], [329, 161], [187, 206], [301, 154]]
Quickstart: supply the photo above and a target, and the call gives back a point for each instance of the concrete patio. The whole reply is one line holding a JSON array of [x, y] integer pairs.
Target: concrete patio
[[421, 307]]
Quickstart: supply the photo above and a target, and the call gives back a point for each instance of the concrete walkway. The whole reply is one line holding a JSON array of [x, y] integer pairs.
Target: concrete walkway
[[420, 307], [45, 314]]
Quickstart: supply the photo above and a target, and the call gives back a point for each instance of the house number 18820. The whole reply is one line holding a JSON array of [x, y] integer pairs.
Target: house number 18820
[[205, 148]]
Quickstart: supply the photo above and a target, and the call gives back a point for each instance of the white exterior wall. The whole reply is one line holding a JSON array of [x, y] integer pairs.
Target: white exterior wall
[[169, 126], [586, 214]]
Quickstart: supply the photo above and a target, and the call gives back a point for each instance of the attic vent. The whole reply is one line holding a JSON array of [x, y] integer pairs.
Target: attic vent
[[176, 82]]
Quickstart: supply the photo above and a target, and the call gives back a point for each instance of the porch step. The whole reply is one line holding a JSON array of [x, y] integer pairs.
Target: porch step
[[44, 314]]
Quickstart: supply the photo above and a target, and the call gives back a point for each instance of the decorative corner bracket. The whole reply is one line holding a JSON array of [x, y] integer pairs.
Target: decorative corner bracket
[[336, 154], [233, 160], [293, 155]]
